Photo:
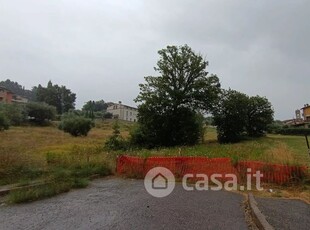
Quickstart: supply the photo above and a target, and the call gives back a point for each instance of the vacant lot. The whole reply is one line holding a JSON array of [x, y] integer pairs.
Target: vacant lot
[[32, 153]]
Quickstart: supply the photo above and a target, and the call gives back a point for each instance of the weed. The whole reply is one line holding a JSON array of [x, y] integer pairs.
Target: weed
[[39, 192]]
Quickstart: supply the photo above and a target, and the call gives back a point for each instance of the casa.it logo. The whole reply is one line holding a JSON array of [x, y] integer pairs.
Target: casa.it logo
[[159, 182]]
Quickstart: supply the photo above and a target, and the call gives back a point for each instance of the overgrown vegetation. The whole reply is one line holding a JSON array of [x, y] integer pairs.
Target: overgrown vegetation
[[59, 158], [76, 125], [294, 131], [59, 172], [16, 114], [4, 122], [32, 112], [40, 113], [116, 141]]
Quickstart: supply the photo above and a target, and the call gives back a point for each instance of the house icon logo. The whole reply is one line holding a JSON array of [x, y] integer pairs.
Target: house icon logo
[[159, 182]]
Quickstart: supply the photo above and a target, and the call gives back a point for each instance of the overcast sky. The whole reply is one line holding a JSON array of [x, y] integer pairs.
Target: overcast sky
[[102, 49]]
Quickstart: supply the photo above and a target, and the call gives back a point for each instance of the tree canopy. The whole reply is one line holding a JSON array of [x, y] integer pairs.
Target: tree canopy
[[59, 96], [94, 109], [183, 82], [40, 112], [171, 102], [17, 89], [259, 115], [238, 115]]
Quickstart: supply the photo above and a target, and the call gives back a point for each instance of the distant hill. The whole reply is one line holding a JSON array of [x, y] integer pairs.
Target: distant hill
[[18, 89]]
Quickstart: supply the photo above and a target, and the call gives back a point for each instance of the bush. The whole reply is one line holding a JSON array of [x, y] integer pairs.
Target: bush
[[107, 115], [116, 141], [294, 131], [40, 112], [4, 122], [171, 128], [274, 127], [16, 114], [76, 125]]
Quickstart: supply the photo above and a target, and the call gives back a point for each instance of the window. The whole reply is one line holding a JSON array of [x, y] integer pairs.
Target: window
[[130, 113]]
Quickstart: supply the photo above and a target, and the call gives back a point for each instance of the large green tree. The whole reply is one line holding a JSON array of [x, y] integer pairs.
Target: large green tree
[[259, 115], [171, 102], [40, 112], [59, 96], [238, 115], [94, 109], [230, 116], [95, 106]]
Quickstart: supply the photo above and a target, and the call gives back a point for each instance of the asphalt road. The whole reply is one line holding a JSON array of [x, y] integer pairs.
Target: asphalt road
[[124, 204], [285, 214]]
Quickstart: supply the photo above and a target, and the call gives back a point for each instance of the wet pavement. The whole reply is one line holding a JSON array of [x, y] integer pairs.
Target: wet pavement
[[124, 204], [284, 213]]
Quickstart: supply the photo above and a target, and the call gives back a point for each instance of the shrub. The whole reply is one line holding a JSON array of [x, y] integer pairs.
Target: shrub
[[294, 131], [40, 112], [16, 114], [274, 127], [76, 125], [4, 122], [171, 128], [116, 141], [107, 115]]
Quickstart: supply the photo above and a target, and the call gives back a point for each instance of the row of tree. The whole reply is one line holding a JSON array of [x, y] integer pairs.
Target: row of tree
[[96, 109], [18, 89], [172, 104], [58, 96], [34, 112]]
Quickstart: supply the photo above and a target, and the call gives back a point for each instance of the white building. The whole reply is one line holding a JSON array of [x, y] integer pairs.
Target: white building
[[123, 112]]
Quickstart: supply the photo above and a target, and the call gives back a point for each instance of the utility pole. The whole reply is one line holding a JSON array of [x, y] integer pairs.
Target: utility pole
[[306, 136]]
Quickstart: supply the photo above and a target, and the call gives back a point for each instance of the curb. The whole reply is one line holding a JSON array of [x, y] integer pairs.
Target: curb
[[7, 190], [258, 217]]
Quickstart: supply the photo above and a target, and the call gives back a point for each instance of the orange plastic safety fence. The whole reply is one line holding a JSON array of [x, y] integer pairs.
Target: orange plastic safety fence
[[179, 166]]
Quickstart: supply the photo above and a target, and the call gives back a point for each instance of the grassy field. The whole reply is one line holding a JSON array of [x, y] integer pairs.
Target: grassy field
[[46, 153], [290, 150]]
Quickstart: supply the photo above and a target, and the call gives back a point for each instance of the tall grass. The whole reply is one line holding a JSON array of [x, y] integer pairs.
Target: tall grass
[[39, 192], [45, 153]]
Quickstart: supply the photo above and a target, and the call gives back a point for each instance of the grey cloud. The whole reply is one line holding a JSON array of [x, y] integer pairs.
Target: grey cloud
[[103, 49]]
